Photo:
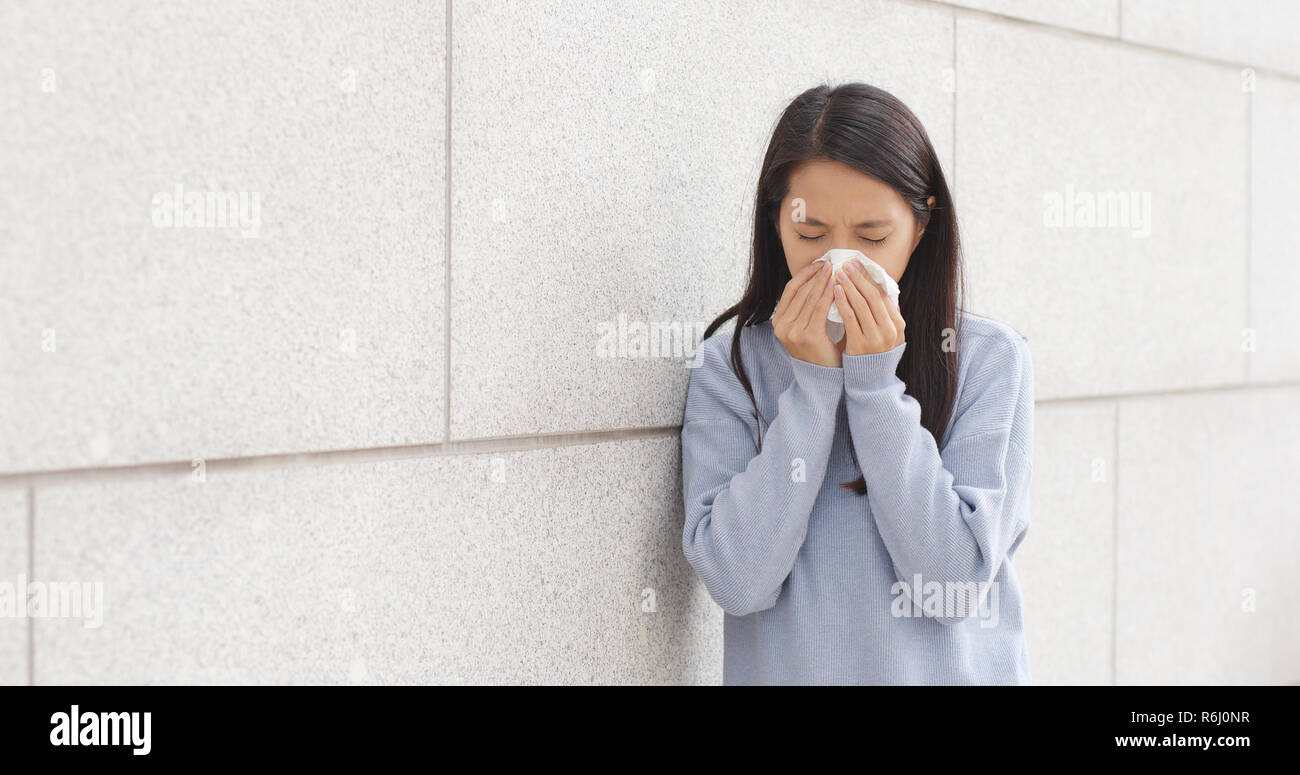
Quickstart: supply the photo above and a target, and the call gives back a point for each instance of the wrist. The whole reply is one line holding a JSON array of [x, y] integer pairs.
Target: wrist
[[817, 379], [872, 370]]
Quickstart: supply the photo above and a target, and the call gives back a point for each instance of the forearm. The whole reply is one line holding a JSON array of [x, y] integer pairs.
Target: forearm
[[948, 517], [747, 513]]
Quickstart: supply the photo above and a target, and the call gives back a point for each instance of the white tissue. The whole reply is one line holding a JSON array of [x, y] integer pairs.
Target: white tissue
[[837, 257]]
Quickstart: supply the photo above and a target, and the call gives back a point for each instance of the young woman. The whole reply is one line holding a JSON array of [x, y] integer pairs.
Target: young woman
[[855, 506]]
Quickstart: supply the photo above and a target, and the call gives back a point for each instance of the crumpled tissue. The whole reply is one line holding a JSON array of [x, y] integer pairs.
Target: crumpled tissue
[[837, 257]]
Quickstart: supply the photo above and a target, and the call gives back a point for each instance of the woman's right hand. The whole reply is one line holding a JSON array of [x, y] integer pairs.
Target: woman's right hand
[[800, 316]]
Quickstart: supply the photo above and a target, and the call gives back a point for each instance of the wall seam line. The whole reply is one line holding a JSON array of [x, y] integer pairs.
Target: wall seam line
[[1099, 37], [1114, 558], [498, 444], [952, 189], [31, 576], [446, 256], [1250, 223]]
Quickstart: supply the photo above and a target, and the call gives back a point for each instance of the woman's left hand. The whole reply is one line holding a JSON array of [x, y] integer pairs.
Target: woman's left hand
[[872, 322]]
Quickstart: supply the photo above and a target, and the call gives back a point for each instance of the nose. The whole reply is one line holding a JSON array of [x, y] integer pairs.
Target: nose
[[844, 242]]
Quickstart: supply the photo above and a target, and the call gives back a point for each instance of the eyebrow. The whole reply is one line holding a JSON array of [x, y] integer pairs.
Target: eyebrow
[[860, 225]]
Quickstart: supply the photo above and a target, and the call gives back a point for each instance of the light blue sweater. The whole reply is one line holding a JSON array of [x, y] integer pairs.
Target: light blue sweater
[[809, 572]]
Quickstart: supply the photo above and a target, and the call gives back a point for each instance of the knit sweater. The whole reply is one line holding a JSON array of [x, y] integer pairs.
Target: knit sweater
[[912, 583]]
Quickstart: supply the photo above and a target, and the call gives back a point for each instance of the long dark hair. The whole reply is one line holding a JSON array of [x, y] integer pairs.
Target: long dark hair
[[870, 130]]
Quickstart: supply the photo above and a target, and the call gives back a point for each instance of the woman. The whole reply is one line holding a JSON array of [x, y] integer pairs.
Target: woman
[[856, 507]]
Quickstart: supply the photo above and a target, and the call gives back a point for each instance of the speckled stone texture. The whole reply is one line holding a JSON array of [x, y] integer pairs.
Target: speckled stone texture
[[1100, 17], [324, 331], [1117, 311], [611, 172], [1255, 32], [561, 565], [13, 562], [602, 171]]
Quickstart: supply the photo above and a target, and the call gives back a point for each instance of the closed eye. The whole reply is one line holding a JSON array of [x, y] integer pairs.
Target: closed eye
[[866, 239]]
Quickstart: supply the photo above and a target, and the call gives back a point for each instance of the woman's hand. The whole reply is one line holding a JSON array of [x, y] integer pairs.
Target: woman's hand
[[800, 316], [872, 322]]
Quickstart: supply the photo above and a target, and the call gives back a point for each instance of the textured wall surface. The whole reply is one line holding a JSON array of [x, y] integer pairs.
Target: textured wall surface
[[365, 426]]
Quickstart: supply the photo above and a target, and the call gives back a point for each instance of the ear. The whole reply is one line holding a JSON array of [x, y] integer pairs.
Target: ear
[[921, 231]]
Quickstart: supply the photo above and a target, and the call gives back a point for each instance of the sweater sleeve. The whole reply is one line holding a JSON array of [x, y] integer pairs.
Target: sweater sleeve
[[952, 516], [747, 514]]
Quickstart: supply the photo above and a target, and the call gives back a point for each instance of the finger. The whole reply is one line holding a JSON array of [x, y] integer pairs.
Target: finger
[[896, 315], [874, 297], [817, 308], [852, 318], [828, 298], [791, 288], [807, 290], [865, 320]]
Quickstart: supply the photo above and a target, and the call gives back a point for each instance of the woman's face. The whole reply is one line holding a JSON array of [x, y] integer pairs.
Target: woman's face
[[831, 205]]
